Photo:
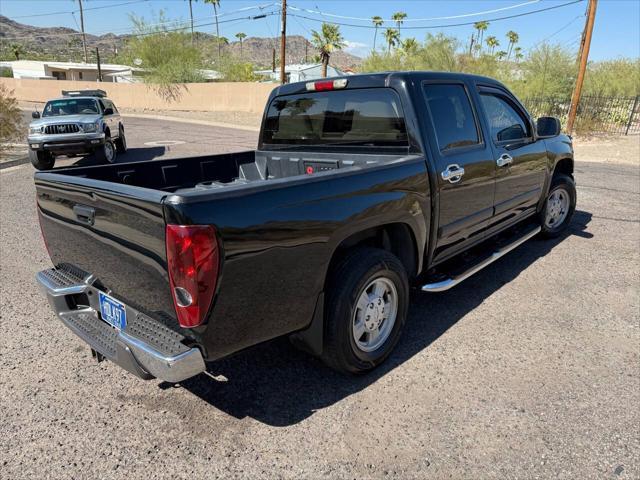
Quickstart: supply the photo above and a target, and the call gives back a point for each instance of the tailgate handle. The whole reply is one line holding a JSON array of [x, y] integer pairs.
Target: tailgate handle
[[84, 214]]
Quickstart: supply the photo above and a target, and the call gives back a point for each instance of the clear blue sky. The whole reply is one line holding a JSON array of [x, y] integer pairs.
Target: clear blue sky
[[616, 34]]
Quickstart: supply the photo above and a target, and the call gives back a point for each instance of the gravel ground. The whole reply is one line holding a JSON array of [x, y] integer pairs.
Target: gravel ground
[[530, 369]]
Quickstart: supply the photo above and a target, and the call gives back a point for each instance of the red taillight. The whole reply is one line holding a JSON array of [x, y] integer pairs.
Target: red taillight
[[192, 262]]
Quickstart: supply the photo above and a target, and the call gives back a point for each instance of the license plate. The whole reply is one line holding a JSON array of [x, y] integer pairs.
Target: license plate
[[113, 312]]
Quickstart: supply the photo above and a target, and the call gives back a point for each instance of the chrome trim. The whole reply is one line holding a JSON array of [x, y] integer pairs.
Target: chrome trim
[[505, 159], [132, 354], [453, 173], [452, 282]]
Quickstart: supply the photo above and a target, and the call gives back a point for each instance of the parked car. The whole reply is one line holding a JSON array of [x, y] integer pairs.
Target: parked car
[[80, 122], [360, 188]]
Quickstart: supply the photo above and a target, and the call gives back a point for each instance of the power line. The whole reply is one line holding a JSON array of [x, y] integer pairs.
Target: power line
[[444, 25], [132, 33], [76, 11], [391, 20]]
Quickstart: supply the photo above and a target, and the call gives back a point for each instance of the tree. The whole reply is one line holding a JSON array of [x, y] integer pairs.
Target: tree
[[17, 50], [410, 46], [513, 39], [377, 21], [391, 35], [216, 4], [398, 17], [501, 55], [10, 117], [327, 41], [481, 27], [518, 54], [492, 42], [241, 36]]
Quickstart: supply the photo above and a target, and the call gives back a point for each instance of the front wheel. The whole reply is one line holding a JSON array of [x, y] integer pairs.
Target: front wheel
[[367, 304], [42, 160], [559, 207], [106, 152]]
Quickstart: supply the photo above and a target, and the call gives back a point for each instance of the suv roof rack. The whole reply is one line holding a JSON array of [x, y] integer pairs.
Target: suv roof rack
[[84, 93]]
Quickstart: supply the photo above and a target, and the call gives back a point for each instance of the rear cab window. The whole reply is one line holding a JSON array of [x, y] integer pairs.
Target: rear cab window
[[369, 117]]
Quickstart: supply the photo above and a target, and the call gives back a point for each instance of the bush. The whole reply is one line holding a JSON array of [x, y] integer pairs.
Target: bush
[[10, 117]]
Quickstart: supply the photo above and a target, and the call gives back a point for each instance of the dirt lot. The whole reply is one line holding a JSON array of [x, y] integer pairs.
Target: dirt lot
[[530, 369]]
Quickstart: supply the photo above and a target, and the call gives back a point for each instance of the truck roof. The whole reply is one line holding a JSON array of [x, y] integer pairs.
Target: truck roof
[[372, 80]]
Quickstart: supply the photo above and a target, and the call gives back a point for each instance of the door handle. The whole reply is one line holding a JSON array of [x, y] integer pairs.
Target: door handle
[[84, 214], [505, 159], [453, 173]]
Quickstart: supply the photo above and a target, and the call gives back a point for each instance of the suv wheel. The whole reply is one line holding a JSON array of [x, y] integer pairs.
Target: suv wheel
[[42, 160], [121, 142], [107, 151], [366, 309], [559, 206]]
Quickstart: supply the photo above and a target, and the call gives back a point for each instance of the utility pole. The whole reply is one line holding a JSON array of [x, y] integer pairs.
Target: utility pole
[[584, 57], [273, 60], [283, 43], [99, 66], [84, 39]]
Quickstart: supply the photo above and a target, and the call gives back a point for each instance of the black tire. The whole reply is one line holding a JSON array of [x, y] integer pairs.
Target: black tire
[[121, 142], [346, 284], [103, 154], [42, 160], [561, 184]]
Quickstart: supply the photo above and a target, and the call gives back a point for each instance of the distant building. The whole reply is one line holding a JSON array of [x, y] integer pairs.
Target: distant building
[[70, 71], [301, 72]]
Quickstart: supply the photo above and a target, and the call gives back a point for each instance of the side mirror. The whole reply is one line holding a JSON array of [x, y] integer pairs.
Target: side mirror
[[548, 127], [35, 114], [108, 111]]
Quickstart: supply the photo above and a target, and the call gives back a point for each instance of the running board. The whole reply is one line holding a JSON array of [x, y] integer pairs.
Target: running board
[[443, 285]]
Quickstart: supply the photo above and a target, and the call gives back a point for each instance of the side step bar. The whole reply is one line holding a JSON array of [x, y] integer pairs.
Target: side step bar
[[443, 285]]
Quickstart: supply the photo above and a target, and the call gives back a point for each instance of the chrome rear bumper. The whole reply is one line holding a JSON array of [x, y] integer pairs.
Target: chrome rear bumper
[[146, 347]]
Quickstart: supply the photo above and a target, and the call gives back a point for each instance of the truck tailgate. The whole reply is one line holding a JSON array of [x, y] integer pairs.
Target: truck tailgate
[[113, 231]]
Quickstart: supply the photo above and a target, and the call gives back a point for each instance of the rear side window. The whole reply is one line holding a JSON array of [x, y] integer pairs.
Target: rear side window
[[505, 121], [452, 116], [363, 117]]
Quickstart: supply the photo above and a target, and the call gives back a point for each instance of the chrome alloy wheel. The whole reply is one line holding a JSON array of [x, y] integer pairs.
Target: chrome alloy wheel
[[557, 208], [375, 314], [109, 153]]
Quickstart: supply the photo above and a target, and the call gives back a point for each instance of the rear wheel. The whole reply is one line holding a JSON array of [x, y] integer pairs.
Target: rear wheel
[[42, 160], [121, 142], [107, 151], [367, 305], [559, 206]]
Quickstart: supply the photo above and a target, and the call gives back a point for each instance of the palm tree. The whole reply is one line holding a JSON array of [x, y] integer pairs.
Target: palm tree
[[513, 39], [492, 42], [518, 54], [398, 17], [480, 27], [501, 54], [241, 36], [391, 35], [409, 46], [326, 41], [216, 4], [17, 50], [377, 21]]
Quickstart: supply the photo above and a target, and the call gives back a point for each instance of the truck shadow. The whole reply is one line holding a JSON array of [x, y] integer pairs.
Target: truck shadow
[[278, 385]]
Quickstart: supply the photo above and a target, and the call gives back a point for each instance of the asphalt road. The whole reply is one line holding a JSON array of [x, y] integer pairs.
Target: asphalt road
[[529, 369]]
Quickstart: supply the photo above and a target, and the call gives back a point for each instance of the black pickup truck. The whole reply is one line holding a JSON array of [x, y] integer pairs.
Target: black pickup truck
[[361, 187]]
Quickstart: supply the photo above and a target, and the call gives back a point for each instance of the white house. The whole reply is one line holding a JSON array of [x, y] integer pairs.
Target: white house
[[70, 71], [301, 72]]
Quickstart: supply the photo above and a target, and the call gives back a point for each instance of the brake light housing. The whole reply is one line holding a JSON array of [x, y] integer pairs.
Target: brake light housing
[[193, 261], [324, 85]]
